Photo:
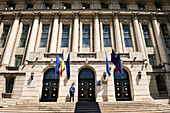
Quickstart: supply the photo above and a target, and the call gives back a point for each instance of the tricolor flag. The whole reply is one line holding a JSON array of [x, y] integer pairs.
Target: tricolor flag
[[114, 60], [107, 66], [57, 66], [62, 64], [68, 66]]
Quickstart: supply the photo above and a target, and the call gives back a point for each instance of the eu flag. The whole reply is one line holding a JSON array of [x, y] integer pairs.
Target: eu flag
[[113, 59], [68, 66], [57, 66], [107, 66]]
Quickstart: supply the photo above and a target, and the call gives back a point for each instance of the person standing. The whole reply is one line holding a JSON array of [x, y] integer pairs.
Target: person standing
[[72, 91]]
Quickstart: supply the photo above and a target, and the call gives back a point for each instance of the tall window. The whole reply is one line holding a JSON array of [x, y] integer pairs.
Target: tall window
[[147, 36], [24, 36], [29, 6], [86, 6], [161, 85], [123, 6], [9, 84], [166, 35], [152, 60], [127, 38], [158, 6], [44, 36], [141, 6], [18, 60], [4, 35], [106, 35], [10, 6], [104, 6], [47, 6], [86, 35], [67, 6], [65, 36]]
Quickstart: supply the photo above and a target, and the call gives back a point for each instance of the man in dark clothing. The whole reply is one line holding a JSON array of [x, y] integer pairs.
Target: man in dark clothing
[[72, 91]]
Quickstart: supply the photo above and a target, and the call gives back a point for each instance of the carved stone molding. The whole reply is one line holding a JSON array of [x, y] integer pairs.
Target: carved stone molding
[[96, 15], [36, 15], [135, 16], [115, 15], [76, 15], [154, 16], [56, 15], [17, 16]]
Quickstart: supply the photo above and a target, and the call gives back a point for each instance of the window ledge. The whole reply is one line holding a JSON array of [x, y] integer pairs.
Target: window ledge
[[12, 68], [6, 95]]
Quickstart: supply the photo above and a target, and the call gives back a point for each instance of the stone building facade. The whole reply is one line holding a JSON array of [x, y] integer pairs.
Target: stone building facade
[[32, 33]]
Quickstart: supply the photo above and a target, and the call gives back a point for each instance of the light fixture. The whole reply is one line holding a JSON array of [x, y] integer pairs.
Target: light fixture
[[139, 75], [32, 75], [104, 75]]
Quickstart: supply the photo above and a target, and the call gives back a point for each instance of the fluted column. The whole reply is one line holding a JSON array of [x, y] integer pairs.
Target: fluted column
[[160, 43], [96, 33], [117, 33], [33, 36], [138, 36], [10, 44], [54, 37]]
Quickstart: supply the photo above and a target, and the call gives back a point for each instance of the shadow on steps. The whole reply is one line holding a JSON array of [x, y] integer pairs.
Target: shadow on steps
[[87, 107]]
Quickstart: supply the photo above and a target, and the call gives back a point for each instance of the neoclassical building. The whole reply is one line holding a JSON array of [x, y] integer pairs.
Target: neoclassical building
[[32, 33]]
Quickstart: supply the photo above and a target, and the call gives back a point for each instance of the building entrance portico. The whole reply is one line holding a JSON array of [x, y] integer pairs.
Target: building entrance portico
[[86, 85]]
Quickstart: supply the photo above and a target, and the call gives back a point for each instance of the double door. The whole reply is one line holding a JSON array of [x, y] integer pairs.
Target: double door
[[86, 91], [122, 90], [50, 91]]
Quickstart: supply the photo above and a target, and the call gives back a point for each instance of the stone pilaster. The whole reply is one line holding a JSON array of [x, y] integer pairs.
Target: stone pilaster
[[138, 36], [96, 33], [117, 33], [75, 32], [10, 44], [54, 36], [160, 43], [33, 36]]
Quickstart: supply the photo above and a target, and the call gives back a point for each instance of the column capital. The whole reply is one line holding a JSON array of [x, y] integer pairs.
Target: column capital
[[115, 15], [17, 16], [36, 15], [135, 16], [56, 15], [76, 14], [153, 16], [96, 15]]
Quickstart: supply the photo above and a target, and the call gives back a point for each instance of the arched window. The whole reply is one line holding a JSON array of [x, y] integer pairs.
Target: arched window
[[49, 74], [86, 74], [119, 76], [161, 85]]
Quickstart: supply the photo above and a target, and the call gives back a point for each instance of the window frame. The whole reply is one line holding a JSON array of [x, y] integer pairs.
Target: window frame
[[149, 34], [17, 64], [85, 33], [46, 38], [129, 34], [106, 38], [4, 42], [68, 38], [152, 59]]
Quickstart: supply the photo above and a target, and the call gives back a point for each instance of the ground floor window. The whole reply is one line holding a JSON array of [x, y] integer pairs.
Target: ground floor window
[[161, 85]]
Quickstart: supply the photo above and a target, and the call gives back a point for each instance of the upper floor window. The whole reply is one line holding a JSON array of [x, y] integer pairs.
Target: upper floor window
[[65, 36], [166, 35], [123, 6], [152, 60], [10, 6], [86, 35], [47, 6], [4, 35], [106, 35], [127, 38], [29, 6], [104, 6], [24, 35], [66, 6], [158, 6], [146, 34], [44, 36], [18, 60], [86, 6], [141, 6]]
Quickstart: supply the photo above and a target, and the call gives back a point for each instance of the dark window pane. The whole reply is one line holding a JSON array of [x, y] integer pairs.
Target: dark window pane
[[127, 38], [44, 36], [18, 60], [9, 85], [166, 35], [4, 35], [106, 35], [65, 36], [123, 6], [24, 36], [86, 35], [146, 34], [152, 60]]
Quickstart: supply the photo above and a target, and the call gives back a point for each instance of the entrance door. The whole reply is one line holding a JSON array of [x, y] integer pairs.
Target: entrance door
[[86, 90], [50, 87], [122, 86]]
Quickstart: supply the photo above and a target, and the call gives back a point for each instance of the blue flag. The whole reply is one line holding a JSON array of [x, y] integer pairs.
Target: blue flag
[[120, 65], [107, 66], [68, 66], [113, 59], [57, 66]]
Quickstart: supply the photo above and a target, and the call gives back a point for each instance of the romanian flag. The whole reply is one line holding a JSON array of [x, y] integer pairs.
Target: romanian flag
[[115, 61], [62, 64]]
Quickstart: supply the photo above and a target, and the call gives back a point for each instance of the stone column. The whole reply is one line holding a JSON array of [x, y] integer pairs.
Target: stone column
[[138, 36], [117, 33], [33, 36], [54, 36], [96, 33], [10, 44], [160, 43], [75, 33]]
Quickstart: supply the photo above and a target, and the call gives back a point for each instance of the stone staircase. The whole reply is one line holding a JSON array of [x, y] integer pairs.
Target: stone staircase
[[43, 107], [133, 107]]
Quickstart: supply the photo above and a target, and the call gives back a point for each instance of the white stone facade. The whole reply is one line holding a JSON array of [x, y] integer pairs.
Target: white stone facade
[[37, 59]]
